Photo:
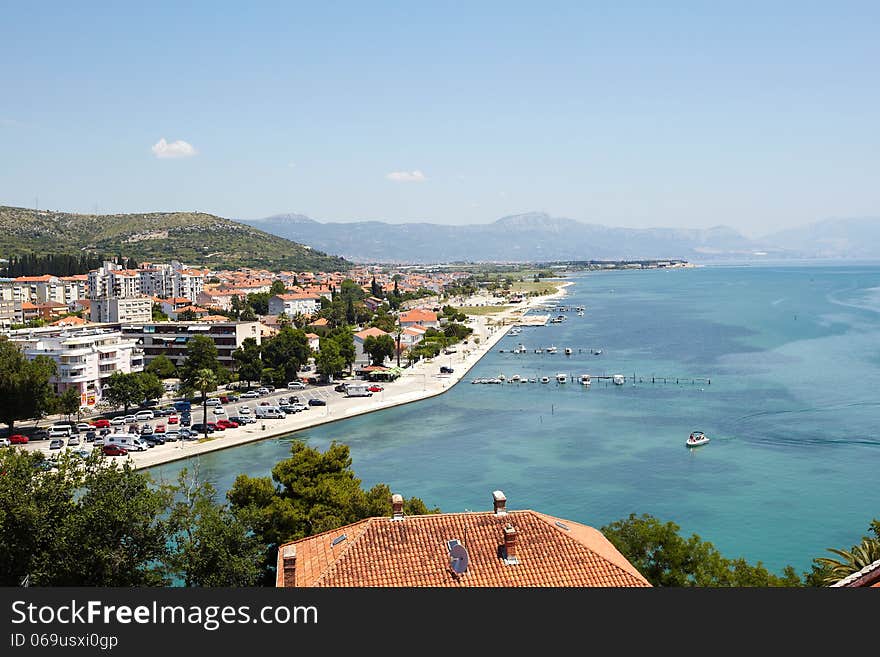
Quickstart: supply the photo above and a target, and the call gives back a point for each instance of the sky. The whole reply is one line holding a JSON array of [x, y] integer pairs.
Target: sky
[[755, 115]]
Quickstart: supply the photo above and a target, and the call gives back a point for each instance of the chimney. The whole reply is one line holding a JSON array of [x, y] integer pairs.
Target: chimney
[[499, 503], [510, 545], [288, 558], [397, 506]]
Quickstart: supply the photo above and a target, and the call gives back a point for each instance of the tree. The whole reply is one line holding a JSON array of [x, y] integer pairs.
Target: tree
[[201, 353], [85, 523], [329, 361], [123, 389], [209, 546], [384, 320], [375, 288], [158, 315], [259, 301], [343, 336], [665, 558], [205, 381], [151, 386], [828, 570], [313, 492], [24, 385], [277, 287], [248, 315], [286, 353], [350, 314], [162, 367], [68, 402], [247, 358], [379, 348]]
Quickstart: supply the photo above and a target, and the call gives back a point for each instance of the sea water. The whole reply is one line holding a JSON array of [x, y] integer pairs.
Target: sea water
[[779, 366]]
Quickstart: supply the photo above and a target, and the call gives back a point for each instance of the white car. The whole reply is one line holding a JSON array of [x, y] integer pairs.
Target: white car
[[219, 411], [4, 442], [140, 416], [84, 426], [213, 401], [129, 419], [250, 394], [244, 410], [118, 421], [296, 385], [262, 391]]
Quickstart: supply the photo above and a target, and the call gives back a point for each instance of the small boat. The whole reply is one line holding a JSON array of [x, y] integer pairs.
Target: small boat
[[501, 377], [696, 439], [561, 378], [515, 378], [520, 349], [597, 352], [550, 350], [586, 380], [568, 351], [580, 313], [539, 351], [618, 379], [533, 380], [545, 379]]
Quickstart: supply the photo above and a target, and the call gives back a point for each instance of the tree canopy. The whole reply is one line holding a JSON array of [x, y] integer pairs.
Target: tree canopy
[[162, 367], [379, 348], [201, 353], [286, 353], [24, 385]]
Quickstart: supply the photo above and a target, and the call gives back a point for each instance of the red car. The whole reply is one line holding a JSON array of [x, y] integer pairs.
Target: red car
[[375, 388], [216, 426], [114, 450], [173, 420], [18, 439], [100, 423], [160, 428]]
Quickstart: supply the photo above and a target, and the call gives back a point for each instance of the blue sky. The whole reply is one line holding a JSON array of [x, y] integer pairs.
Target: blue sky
[[757, 115]]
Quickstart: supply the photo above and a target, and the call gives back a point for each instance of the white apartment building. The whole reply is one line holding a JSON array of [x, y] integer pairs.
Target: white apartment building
[[85, 356], [156, 280], [170, 338], [138, 309], [42, 289], [188, 283], [294, 304]]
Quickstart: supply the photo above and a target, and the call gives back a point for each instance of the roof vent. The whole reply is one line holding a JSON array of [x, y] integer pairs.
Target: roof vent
[[336, 541], [562, 525], [499, 503], [397, 506]]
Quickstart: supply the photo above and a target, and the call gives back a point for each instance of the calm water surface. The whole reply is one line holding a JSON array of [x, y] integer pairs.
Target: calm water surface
[[793, 356]]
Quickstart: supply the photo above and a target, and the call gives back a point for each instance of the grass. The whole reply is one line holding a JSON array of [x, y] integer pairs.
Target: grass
[[483, 310], [543, 287]]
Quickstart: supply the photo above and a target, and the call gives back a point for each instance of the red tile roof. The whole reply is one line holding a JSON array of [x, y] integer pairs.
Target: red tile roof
[[375, 332], [418, 315], [413, 552]]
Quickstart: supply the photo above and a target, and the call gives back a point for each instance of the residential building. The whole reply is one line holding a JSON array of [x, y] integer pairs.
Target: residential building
[[171, 306], [86, 357], [299, 303], [314, 342], [221, 299], [411, 336], [361, 357], [188, 283], [497, 548], [419, 317], [156, 280], [7, 313], [170, 338], [373, 303], [137, 309]]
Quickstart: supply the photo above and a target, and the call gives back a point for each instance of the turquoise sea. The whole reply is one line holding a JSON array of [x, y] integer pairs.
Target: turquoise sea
[[793, 356]]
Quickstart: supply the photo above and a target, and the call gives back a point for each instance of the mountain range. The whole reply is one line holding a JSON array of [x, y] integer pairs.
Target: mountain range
[[195, 238], [539, 237]]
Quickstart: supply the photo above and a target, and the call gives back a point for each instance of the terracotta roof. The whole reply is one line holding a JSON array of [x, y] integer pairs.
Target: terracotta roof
[[300, 295], [413, 552], [375, 332], [215, 318], [418, 315], [321, 321], [45, 278], [73, 320]]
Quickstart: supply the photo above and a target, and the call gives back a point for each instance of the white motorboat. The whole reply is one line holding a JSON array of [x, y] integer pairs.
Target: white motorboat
[[545, 379], [618, 379], [550, 350], [568, 351], [586, 380], [561, 378], [516, 378], [696, 439], [520, 349]]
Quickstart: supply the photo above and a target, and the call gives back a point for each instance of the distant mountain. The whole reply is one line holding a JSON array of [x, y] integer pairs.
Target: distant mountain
[[192, 237], [857, 238], [529, 237]]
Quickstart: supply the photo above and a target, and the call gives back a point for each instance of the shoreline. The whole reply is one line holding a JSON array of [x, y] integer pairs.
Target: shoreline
[[421, 381]]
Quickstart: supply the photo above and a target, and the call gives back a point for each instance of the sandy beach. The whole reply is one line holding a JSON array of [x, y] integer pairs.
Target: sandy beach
[[420, 381]]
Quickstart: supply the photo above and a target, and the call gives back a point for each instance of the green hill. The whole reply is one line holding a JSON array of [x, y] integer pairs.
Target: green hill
[[194, 238]]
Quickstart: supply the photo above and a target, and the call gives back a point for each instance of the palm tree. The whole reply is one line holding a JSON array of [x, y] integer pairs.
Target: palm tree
[[851, 561], [205, 381]]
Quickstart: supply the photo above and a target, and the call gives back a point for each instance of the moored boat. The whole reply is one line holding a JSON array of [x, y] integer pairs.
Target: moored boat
[[618, 379], [696, 439]]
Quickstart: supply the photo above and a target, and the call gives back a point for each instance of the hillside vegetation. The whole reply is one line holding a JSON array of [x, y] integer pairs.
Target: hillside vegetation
[[194, 238]]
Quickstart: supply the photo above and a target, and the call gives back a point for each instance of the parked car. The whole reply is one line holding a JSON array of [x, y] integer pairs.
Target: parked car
[[317, 402], [296, 385], [56, 443], [233, 399], [244, 410], [262, 391], [160, 428], [83, 426], [224, 399], [200, 428], [375, 388], [185, 420], [446, 370], [4, 442], [186, 434], [153, 439], [146, 430], [113, 450], [91, 434], [129, 419], [227, 424], [250, 394], [340, 387], [173, 419], [73, 441], [171, 436], [215, 426], [238, 420], [213, 401], [118, 421], [40, 434], [144, 415], [101, 423], [18, 439], [219, 411]]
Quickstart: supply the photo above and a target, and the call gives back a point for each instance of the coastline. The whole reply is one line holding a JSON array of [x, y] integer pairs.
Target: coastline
[[421, 381]]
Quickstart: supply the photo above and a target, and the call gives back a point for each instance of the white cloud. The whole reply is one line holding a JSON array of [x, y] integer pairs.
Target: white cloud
[[406, 176], [175, 149]]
